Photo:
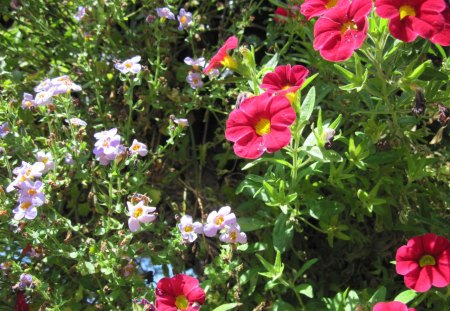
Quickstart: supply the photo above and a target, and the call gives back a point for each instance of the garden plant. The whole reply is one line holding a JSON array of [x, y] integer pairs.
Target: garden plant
[[224, 155]]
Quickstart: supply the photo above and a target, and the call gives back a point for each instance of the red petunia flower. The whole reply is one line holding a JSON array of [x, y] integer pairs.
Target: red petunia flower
[[424, 262], [286, 80], [410, 18], [260, 124], [281, 15], [342, 30], [313, 8], [181, 292], [222, 58], [391, 306], [443, 37]]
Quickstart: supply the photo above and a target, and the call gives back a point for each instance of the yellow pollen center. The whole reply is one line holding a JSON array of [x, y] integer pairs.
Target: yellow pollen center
[[181, 302], [183, 19], [233, 236], [25, 205], [406, 10], [28, 104], [106, 144], [229, 62], [136, 147], [331, 3], [286, 87], [128, 65], [348, 26], [22, 178], [195, 67], [44, 160], [262, 127], [32, 191], [219, 220], [138, 212], [188, 228], [427, 260]]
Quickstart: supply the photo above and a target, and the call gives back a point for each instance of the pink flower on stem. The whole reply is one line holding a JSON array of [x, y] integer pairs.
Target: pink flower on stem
[[233, 234], [391, 306], [140, 213], [25, 209], [443, 36], [217, 220], [138, 148], [28, 101], [222, 58], [313, 8], [189, 230], [130, 65]]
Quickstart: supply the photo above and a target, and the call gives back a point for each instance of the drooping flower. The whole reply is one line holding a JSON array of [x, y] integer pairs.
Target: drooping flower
[[25, 209], [424, 262], [165, 13], [63, 85], [138, 148], [189, 230], [195, 63], [4, 129], [81, 12], [47, 159], [233, 234], [443, 36], [313, 8], [391, 306], [286, 80], [217, 220], [342, 30], [185, 19], [260, 124], [195, 80], [222, 58], [181, 292], [411, 18], [130, 65], [28, 101], [140, 213]]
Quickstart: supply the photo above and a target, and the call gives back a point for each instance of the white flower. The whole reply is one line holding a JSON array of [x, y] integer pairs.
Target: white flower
[[140, 213], [138, 148], [233, 235], [130, 65], [188, 229]]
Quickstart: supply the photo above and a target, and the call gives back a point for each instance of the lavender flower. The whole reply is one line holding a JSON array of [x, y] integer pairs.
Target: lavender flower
[[26, 280], [28, 101], [25, 209], [43, 98], [214, 73], [140, 213], [107, 146], [138, 148], [68, 158], [43, 86], [217, 220], [4, 129], [233, 235], [130, 65], [185, 19], [194, 79], [63, 84], [181, 122], [32, 192], [188, 229], [195, 63], [165, 13], [47, 159], [76, 122], [80, 13]]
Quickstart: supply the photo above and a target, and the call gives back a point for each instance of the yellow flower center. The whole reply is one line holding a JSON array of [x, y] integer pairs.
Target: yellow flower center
[[28, 103], [128, 65], [219, 220], [181, 302], [233, 236], [348, 26], [262, 127], [195, 67], [138, 212], [188, 228], [406, 10], [331, 3], [136, 147], [291, 97], [427, 260], [32, 191], [286, 87], [106, 143], [183, 19], [229, 62], [25, 205]]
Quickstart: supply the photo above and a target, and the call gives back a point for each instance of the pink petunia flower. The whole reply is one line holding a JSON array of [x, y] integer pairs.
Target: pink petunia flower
[[260, 124], [342, 30], [217, 220], [222, 58], [313, 8], [411, 18], [181, 292], [443, 36], [424, 262], [286, 80], [391, 306]]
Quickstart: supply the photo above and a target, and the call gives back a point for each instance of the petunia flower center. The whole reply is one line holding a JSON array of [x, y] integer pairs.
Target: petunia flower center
[[286, 87], [28, 103], [229, 62], [188, 228], [219, 220], [25, 205], [181, 302], [138, 212], [406, 10], [427, 260], [44, 160], [348, 26], [331, 4], [262, 127]]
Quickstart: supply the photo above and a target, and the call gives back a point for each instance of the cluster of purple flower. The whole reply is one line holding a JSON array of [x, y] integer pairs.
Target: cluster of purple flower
[[108, 147], [184, 18], [30, 189], [140, 212], [47, 89], [223, 221], [194, 78], [4, 129]]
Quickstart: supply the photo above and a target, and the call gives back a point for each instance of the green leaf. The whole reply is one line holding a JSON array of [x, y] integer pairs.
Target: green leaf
[[251, 223], [307, 107], [305, 289], [305, 267], [282, 233], [280, 305], [227, 306], [379, 295], [347, 74], [406, 296]]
